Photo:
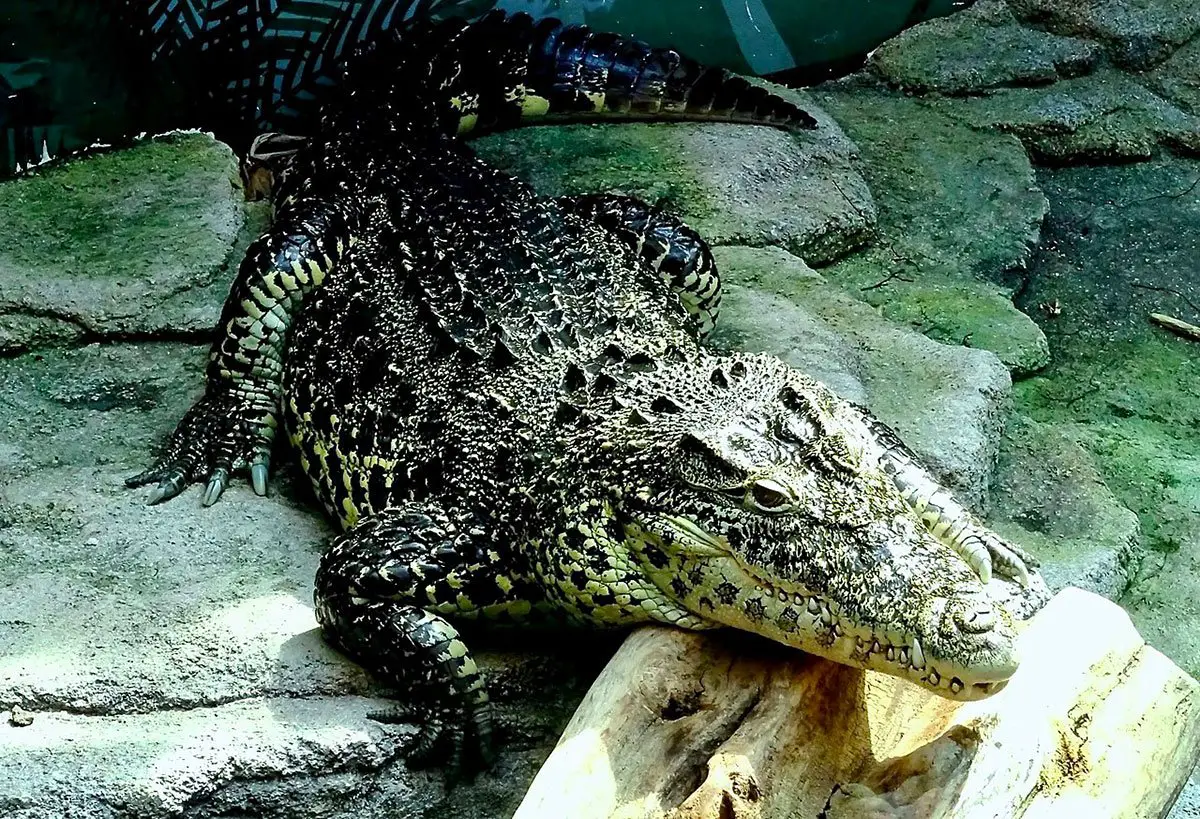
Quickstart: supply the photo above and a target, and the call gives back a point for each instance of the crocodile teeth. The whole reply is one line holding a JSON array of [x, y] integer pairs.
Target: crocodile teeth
[[814, 605], [918, 656], [934, 678], [891, 654], [904, 656]]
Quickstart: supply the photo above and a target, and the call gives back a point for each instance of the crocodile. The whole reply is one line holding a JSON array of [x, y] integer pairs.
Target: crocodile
[[507, 405]]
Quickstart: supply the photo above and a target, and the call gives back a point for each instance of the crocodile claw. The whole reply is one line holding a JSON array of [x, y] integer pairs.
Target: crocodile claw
[[168, 487], [462, 744], [216, 485], [258, 477], [214, 439]]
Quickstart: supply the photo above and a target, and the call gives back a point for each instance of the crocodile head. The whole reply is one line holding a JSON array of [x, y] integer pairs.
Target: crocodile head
[[764, 506]]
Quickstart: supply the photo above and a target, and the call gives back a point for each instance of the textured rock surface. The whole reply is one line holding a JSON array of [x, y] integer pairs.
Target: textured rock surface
[[1122, 242], [128, 243], [736, 184], [1178, 79], [1045, 80], [1050, 497], [1104, 116], [959, 210], [982, 48], [1138, 33]]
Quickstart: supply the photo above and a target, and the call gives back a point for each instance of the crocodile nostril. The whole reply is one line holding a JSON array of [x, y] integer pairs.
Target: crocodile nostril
[[976, 620]]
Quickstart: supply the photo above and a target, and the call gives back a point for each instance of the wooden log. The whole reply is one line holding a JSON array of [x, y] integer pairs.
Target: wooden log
[[685, 725], [1176, 326]]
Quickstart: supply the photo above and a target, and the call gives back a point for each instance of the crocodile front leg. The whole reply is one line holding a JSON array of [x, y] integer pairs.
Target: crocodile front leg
[[664, 242], [944, 516], [381, 593], [233, 425]]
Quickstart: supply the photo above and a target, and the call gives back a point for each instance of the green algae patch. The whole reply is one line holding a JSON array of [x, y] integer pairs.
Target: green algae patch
[[121, 214], [973, 314], [1135, 405], [959, 212], [637, 159], [1121, 243], [135, 241]]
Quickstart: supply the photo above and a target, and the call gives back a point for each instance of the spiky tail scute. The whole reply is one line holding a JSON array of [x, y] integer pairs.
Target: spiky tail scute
[[506, 70]]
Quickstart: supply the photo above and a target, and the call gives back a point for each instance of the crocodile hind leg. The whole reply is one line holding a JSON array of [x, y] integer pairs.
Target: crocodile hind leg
[[381, 593], [232, 426], [944, 516], [671, 248]]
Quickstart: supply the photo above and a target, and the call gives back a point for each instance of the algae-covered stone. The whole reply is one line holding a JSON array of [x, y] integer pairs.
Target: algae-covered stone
[[959, 210], [981, 48], [736, 184], [1178, 79], [1138, 33], [1123, 242], [1050, 496], [1104, 116], [947, 402], [132, 241]]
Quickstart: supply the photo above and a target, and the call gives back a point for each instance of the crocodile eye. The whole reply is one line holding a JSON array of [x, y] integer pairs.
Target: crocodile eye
[[768, 496]]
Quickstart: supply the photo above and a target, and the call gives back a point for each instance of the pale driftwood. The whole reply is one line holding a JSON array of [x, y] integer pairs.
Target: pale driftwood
[[1176, 326], [693, 726]]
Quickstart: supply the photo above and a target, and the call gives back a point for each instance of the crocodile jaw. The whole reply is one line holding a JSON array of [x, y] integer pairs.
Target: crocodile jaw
[[728, 593]]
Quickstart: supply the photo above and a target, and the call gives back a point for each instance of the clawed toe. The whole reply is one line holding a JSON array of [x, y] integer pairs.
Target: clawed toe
[[258, 478], [170, 483], [462, 747], [217, 482]]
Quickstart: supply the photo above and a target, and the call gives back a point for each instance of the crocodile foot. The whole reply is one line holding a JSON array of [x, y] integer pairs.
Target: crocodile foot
[[456, 740], [214, 440]]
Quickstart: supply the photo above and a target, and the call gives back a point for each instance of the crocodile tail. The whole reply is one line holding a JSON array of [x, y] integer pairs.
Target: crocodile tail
[[511, 70], [503, 71]]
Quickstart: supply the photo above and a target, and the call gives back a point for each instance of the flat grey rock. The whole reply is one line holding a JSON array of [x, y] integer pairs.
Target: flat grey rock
[[736, 184], [131, 242], [980, 49], [1137, 33]]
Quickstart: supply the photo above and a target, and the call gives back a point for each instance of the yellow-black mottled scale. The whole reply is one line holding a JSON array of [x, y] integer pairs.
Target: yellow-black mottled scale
[[430, 331]]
